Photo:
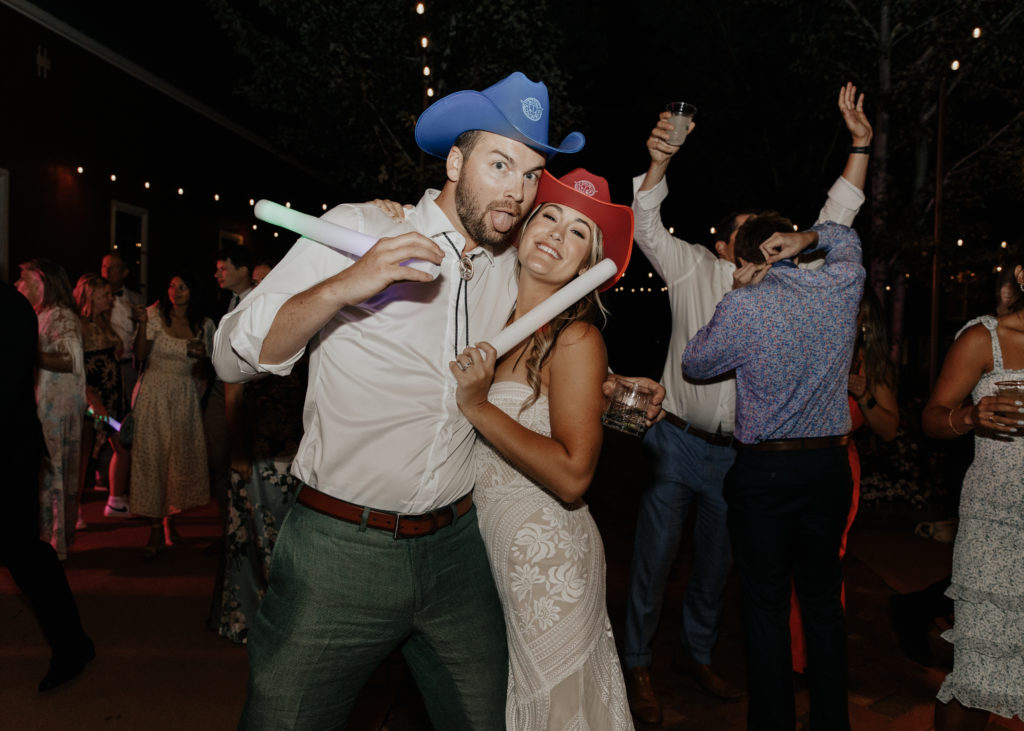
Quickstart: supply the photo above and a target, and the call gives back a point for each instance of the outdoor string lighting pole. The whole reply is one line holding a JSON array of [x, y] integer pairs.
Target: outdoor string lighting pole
[[933, 360]]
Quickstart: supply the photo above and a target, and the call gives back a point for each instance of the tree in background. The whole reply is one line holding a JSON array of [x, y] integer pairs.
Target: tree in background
[[342, 82]]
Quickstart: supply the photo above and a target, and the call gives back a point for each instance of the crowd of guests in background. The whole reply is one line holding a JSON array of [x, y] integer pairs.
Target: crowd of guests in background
[[124, 394], [747, 439]]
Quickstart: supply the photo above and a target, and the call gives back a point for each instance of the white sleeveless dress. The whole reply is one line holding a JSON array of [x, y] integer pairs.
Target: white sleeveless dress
[[549, 567], [988, 567]]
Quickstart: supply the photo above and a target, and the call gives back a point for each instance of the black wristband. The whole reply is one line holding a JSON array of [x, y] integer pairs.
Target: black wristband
[[870, 403], [854, 150]]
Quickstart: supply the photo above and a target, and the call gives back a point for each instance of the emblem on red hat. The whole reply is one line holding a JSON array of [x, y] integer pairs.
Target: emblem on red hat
[[585, 187]]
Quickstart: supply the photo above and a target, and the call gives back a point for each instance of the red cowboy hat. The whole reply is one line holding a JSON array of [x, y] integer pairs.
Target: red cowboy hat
[[589, 194]]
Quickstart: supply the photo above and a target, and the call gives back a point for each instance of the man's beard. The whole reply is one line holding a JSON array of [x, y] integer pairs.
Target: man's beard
[[475, 220]]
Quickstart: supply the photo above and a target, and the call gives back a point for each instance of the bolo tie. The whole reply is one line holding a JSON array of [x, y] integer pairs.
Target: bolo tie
[[462, 295]]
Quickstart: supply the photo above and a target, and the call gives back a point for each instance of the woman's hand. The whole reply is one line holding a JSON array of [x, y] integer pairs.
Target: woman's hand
[[998, 414], [474, 372], [92, 398], [241, 464], [138, 314], [858, 386], [393, 208]]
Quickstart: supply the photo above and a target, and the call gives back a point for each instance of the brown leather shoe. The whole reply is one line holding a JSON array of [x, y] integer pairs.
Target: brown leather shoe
[[640, 694], [706, 678]]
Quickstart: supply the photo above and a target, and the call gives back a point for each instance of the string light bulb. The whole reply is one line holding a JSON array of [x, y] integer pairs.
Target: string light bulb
[[955, 66], [976, 33], [146, 185], [113, 178], [80, 169], [426, 71], [959, 242], [181, 191], [430, 91], [420, 9], [424, 42]]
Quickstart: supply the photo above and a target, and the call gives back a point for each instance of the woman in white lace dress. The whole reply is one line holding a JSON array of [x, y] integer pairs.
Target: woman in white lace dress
[[988, 562], [540, 424]]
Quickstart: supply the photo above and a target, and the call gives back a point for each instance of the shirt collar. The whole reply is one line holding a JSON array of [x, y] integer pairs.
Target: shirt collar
[[435, 225]]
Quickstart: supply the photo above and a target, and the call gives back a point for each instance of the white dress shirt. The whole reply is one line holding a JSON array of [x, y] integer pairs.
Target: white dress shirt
[[697, 280], [381, 426], [122, 322]]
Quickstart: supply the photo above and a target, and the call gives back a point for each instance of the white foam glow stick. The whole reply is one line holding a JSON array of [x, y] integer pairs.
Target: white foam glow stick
[[567, 296], [329, 234]]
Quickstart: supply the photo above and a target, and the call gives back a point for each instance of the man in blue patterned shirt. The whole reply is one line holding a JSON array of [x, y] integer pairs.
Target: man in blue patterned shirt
[[789, 336]]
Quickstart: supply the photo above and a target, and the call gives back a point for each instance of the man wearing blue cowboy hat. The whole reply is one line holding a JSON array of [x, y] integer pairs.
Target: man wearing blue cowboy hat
[[383, 549]]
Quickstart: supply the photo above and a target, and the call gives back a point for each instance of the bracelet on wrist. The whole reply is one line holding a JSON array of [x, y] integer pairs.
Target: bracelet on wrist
[[869, 404], [860, 149], [949, 417]]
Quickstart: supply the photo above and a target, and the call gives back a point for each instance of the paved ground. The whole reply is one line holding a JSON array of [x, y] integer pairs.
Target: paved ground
[[158, 667]]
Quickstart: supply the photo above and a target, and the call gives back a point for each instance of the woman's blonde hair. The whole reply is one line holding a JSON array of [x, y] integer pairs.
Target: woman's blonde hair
[[84, 289], [588, 309]]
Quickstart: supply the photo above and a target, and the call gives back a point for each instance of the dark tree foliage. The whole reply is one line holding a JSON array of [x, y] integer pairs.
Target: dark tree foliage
[[341, 85]]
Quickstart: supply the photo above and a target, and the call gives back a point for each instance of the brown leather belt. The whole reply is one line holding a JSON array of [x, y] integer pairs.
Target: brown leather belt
[[718, 440], [397, 524], [796, 445]]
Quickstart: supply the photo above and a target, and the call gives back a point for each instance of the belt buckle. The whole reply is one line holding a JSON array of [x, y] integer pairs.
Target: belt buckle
[[394, 534]]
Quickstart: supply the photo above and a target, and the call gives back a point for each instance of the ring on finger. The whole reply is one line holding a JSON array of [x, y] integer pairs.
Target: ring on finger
[[461, 366]]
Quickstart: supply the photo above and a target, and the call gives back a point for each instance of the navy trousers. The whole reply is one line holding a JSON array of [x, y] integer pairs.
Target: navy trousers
[[787, 511]]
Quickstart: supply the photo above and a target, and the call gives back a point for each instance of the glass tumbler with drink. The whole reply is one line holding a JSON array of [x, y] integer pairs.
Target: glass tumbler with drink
[[1013, 390], [196, 348], [627, 408]]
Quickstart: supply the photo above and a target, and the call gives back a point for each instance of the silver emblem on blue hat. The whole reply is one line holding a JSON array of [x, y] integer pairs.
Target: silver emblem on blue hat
[[532, 109]]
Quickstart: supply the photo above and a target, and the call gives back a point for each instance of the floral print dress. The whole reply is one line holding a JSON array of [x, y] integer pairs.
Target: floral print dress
[[60, 398], [102, 368], [272, 424], [988, 566], [548, 564]]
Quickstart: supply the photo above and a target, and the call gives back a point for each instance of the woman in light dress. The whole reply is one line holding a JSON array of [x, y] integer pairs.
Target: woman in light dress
[[540, 423], [60, 397], [169, 469], [988, 562]]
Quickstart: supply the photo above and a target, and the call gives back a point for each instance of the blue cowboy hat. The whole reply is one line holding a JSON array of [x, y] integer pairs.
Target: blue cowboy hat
[[515, 107]]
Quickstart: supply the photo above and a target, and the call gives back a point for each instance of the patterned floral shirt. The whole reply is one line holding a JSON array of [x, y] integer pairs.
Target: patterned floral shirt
[[790, 340]]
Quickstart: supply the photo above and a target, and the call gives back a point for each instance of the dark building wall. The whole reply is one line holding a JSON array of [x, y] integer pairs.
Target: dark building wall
[[64, 107]]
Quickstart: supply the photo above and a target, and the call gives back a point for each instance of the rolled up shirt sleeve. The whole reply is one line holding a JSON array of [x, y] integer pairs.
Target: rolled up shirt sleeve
[[238, 342], [843, 203]]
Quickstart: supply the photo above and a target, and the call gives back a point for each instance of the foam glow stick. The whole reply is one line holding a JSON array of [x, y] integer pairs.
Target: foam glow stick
[[329, 234], [105, 419], [540, 315]]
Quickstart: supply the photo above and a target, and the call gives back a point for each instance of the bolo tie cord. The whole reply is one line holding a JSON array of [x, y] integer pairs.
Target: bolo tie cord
[[461, 296]]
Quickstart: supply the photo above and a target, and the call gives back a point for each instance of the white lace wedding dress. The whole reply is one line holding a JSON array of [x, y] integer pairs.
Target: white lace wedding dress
[[548, 563]]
